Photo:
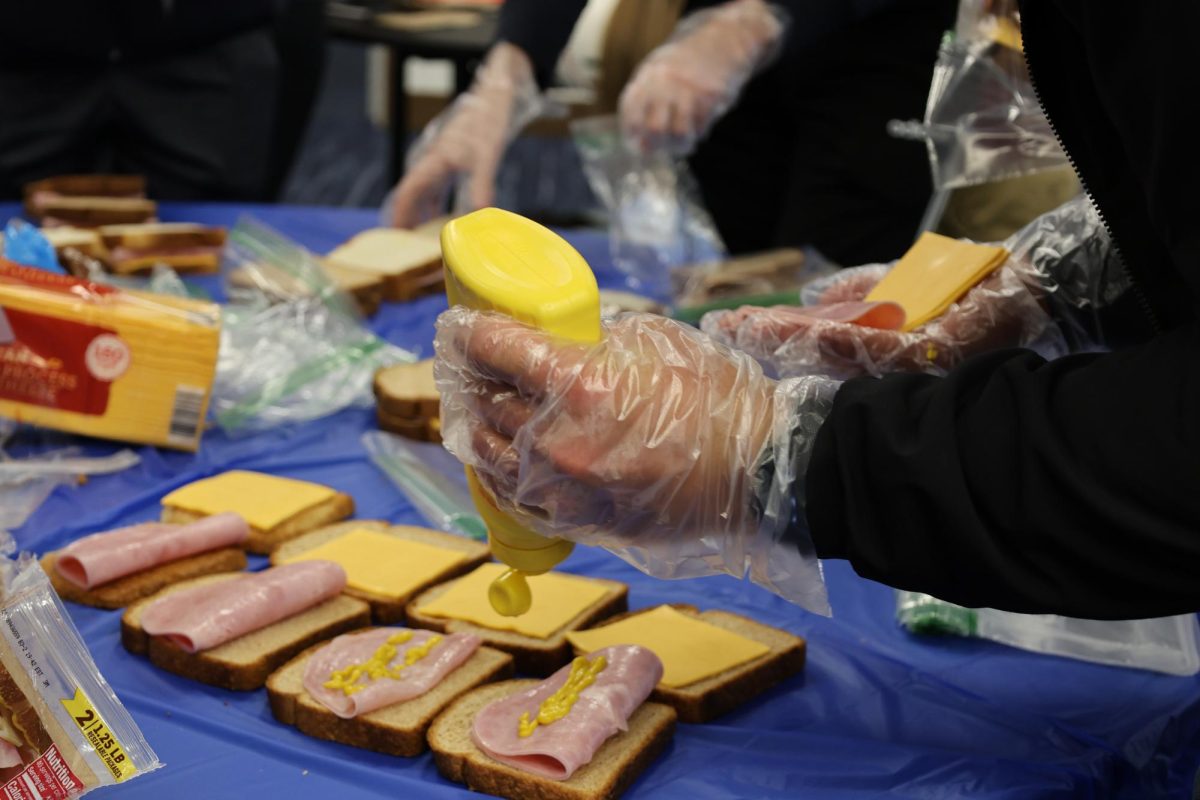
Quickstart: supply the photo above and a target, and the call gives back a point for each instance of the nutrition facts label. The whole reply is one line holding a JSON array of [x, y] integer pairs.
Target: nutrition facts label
[[46, 778]]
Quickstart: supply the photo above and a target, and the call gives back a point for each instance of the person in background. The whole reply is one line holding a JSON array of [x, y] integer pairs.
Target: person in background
[[781, 107], [1009, 481], [185, 92]]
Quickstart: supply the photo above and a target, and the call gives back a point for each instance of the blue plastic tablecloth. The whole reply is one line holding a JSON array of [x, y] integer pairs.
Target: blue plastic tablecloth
[[875, 712]]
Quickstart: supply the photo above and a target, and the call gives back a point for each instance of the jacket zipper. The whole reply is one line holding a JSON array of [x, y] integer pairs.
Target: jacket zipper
[[1134, 284]]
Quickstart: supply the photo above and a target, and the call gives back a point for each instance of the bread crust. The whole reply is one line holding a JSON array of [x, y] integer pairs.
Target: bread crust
[[262, 541]]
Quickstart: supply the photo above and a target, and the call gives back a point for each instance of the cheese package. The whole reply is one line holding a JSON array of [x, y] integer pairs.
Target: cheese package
[[557, 599], [382, 564], [105, 362], [262, 500], [933, 274], [690, 649]]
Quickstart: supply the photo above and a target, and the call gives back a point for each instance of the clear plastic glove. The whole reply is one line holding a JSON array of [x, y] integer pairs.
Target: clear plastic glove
[[1062, 267], [671, 451], [688, 82], [466, 141]]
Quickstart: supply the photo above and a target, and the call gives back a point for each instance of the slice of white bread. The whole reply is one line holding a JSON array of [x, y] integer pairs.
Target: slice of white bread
[[389, 610], [123, 591], [409, 263], [533, 656], [398, 729], [407, 390], [84, 240], [263, 541], [708, 699], [615, 766], [246, 662]]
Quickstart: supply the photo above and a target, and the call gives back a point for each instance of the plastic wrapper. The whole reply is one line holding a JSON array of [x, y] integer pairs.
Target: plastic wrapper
[[292, 361], [658, 228], [25, 244], [63, 731], [982, 120], [1061, 270], [676, 454], [445, 502], [461, 149], [693, 78], [1164, 644]]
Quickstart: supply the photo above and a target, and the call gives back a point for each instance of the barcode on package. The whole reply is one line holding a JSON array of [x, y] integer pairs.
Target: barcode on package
[[186, 414]]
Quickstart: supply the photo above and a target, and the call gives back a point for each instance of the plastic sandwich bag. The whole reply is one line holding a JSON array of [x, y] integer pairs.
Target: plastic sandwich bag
[[1165, 644], [982, 120], [658, 226], [296, 360], [63, 731], [422, 470]]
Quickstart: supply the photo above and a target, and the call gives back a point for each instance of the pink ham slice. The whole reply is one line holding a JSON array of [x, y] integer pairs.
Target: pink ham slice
[[10, 756], [203, 617], [103, 557], [556, 750], [415, 680], [885, 315]]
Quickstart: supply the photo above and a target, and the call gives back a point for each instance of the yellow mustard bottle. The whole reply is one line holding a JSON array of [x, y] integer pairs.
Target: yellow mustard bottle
[[499, 261]]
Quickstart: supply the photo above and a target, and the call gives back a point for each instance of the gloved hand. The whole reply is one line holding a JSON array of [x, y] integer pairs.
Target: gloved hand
[[467, 141], [655, 443], [688, 82], [1061, 265]]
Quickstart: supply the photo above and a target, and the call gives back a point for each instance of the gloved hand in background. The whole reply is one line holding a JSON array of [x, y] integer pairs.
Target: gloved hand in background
[[466, 141], [656, 443], [688, 82], [1062, 268]]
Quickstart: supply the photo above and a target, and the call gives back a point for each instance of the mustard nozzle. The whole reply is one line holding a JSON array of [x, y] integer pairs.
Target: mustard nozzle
[[499, 261], [509, 594]]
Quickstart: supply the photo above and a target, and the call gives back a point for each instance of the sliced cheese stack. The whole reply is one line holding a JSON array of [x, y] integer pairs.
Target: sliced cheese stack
[[934, 274], [103, 362], [407, 401]]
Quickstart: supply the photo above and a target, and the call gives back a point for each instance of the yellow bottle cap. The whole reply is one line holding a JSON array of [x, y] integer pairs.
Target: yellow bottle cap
[[499, 261]]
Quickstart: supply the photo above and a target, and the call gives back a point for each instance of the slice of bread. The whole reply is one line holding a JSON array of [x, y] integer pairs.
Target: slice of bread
[[246, 662], [365, 288], [279, 285], [389, 610], [533, 656], [708, 699], [263, 541], [93, 212], [180, 245], [409, 263], [610, 772], [123, 591], [398, 729], [407, 390], [419, 430]]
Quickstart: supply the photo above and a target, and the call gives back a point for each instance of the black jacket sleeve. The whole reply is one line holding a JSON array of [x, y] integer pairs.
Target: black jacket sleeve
[[1067, 487], [542, 28]]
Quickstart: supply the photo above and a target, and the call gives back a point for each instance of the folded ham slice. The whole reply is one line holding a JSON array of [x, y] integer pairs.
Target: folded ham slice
[[413, 680], [103, 557], [202, 617], [559, 748]]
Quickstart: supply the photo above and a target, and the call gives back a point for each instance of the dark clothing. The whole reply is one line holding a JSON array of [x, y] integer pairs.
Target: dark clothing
[[804, 156], [1066, 487], [188, 98]]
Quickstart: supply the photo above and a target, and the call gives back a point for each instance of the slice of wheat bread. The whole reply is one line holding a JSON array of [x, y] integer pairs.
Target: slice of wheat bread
[[420, 430], [246, 662], [123, 591], [407, 390], [710, 698], [390, 610], [263, 541], [533, 656], [615, 766], [398, 729]]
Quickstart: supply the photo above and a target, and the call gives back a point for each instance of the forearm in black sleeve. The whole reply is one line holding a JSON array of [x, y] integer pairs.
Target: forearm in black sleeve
[[1067, 487], [541, 29]]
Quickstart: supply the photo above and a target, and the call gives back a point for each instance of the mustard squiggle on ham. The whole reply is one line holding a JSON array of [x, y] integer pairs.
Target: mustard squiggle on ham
[[600, 710]]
